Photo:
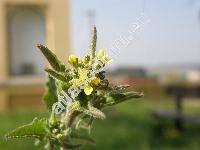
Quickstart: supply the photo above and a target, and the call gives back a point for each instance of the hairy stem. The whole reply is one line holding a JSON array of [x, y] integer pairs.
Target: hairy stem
[[93, 41], [70, 117], [51, 146]]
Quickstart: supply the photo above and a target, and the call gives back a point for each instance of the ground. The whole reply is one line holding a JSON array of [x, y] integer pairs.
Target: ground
[[128, 126]]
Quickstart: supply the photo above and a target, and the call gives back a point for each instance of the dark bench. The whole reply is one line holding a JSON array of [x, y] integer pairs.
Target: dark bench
[[180, 92]]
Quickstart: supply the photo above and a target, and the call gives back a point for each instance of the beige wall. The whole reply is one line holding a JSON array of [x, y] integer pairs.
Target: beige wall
[[57, 39]]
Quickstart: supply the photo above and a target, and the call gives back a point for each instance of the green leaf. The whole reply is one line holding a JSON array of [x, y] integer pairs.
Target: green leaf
[[52, 58], [82, 138], [93, 41], [50, 96], [71, 146], [115, 98], [37, 128], [94, 112], [56, 75], [85, 122], [118, 88]]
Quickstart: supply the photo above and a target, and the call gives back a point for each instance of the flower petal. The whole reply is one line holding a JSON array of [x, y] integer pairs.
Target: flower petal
[[96, 81], [72, 59], [88, 90], [101, 53]]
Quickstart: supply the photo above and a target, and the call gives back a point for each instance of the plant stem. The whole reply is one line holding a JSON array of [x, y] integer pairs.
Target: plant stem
[[93, 41], [51, 145], [70, 117]]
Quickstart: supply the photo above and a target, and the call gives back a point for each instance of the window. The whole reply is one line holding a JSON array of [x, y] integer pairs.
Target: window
[[26, 28]]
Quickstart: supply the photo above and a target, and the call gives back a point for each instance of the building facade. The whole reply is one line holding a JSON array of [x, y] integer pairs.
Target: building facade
[[23, 24]]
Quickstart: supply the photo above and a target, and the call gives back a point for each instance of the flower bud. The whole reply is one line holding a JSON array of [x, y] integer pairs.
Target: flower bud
[[53, 119]]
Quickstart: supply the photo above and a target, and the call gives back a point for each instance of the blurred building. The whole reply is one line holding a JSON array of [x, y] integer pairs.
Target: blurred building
[[193, 76], [23, 24], [177, 74], [138, 79], [132, 76]]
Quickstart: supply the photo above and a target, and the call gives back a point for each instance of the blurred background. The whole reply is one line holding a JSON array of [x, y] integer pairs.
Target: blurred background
[[154, 46]]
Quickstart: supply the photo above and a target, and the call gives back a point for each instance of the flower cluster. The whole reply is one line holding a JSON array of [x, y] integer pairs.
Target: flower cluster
[[89, 92], [86, 73]]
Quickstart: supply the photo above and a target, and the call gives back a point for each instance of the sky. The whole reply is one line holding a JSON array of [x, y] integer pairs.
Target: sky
[[171, 37]]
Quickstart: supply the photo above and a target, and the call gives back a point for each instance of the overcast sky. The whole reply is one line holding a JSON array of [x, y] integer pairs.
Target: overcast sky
[[171, 37]]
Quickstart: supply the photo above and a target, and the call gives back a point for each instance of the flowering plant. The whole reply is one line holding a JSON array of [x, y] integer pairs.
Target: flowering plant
[[76, 96]]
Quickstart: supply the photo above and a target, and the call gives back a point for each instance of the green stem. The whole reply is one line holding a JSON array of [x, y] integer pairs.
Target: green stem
[[51, 145]]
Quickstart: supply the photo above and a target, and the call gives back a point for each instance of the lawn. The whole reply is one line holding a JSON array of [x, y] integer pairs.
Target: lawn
[[128, 126]]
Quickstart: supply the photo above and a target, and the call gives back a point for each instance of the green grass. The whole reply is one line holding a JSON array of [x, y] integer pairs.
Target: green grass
[[128, 126]]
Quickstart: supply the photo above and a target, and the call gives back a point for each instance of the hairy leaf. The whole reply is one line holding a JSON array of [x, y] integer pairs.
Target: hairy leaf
[[118, 88], [94, 112], [37, 128], [115, 98], [50, 96], [52, 58], [82, 138], [56, 75], [85, 122], [72, 146]]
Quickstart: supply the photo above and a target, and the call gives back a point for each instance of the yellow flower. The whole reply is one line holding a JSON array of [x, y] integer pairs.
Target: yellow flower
[[107, 59], [96, 81], [72, 59], [88, 90], [83, 73], [79, 60], [101, 53], [75, 82], [83, 70]]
